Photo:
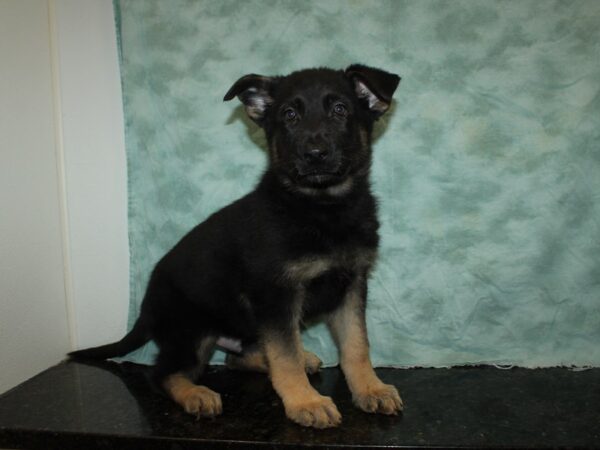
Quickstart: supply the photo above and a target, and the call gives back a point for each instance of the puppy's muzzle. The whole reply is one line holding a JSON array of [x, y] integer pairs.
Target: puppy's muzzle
[[315, 155], [318, 168], [317, 160]]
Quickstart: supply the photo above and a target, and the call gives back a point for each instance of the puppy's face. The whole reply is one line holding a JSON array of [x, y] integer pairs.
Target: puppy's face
[[318, 123], [314, 128]]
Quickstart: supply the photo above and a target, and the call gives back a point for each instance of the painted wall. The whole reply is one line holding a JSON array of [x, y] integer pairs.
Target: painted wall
[[63, 201]]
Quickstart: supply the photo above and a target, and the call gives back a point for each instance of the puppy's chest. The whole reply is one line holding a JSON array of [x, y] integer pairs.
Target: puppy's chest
[[323, 279], [350, 261]]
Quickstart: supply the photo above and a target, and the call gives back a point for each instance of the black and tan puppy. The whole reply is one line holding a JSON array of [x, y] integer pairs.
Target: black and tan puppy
[[300, 246]]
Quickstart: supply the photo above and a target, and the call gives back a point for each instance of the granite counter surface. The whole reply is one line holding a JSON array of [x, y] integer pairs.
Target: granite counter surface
[[109, 405]]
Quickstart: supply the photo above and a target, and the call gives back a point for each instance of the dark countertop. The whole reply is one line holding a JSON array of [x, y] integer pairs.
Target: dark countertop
[[108, 405]]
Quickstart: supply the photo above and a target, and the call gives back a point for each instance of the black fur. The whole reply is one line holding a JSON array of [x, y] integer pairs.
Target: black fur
[[227, 276]]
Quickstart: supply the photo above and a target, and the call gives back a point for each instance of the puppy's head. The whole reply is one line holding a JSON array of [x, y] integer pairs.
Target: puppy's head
[[318, 123]]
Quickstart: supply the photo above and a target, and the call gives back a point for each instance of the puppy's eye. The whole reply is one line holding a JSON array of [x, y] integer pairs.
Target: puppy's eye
[[290, 114], [340, 109]]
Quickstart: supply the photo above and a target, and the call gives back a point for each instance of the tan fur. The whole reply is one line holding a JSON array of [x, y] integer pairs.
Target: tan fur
[[204, 349], [312, 363], [349, 329], [197, 400], [274, 152], [310, 267], [302, 403], [251, 361], [307, 268], [335, 190], [364, 139]]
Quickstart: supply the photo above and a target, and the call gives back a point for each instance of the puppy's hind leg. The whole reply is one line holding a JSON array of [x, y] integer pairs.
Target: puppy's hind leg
[[195, 399], [312, 363], [255, 360]]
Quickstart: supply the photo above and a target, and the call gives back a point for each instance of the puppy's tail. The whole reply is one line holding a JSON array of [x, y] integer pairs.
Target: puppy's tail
[[138, 336]]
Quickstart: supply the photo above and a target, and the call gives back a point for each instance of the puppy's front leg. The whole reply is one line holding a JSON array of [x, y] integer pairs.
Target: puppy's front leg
[[285, 358], [349, 329]]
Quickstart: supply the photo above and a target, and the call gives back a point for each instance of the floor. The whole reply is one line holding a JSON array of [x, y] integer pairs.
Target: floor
[[108, 405]]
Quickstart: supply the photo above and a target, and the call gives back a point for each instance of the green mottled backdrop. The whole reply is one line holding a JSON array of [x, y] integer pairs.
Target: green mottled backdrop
[[487, 167]]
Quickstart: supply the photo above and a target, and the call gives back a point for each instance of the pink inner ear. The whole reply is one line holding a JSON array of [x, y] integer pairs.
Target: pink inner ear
[[374, 102], [256, 101], [256, 105]]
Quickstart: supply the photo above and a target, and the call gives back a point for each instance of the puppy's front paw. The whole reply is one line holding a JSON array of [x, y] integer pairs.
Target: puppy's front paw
[[317, 412], [382, 399], [202, 402]]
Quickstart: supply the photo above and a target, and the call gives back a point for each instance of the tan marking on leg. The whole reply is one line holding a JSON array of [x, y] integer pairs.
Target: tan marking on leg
[[312, 363], [197, 400], [349, 329], [303, 404]]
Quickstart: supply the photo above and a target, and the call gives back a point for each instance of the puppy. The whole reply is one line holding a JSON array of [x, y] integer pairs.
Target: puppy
[[298, 247]]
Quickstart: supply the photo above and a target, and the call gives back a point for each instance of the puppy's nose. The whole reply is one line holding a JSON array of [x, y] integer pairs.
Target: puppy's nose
[[315, 155]]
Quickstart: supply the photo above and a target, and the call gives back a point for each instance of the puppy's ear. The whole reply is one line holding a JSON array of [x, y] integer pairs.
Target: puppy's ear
[[255, 92], [374, 86]]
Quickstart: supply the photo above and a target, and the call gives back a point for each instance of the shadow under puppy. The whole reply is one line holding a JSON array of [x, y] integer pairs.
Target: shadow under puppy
[[298, 247]]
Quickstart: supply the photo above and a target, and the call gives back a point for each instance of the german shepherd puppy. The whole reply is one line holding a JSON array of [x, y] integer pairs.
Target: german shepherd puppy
[[300, 246]]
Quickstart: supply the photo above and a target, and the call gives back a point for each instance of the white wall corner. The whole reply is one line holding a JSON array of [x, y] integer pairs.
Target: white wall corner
[[61, 173], [93, 168], [33, 323]]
